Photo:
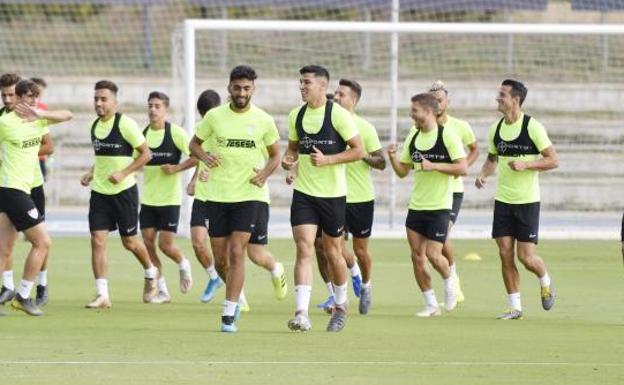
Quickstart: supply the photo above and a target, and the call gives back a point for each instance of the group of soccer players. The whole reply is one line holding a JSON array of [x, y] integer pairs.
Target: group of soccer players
[[235, 149]]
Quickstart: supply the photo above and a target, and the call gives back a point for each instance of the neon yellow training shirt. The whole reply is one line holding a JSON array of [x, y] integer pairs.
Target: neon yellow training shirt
[[360, 186]]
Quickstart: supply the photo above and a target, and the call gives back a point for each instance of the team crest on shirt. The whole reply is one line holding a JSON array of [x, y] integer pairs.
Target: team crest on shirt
[[33, 213], [416, 156], [250, 130]]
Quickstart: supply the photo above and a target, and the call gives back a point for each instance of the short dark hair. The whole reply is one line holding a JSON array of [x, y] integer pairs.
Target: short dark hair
[[9, 79], [517, 89], [427, 100], [159, 95], [106, 85], [243, 72], [353, 86], [315, 69], [40, 82], [207, 100], [25, 86]]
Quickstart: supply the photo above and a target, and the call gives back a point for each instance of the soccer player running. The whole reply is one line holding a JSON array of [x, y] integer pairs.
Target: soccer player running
[[515, 144], [114, 202], [161, 195], [465, 133], [360, 191], [436, 154], [21, 132], [319, 133], [239, 134], [206, 101], [46, 147]]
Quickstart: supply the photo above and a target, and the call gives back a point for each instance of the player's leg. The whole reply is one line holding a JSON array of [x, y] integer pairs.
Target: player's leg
[[37, 194], [359, 218], [261, 256], [365, 261], [168, 227], [304, 236], [199, 238], [418, 249], [8, 236], [436, 232], [321, 261], [40, 244]]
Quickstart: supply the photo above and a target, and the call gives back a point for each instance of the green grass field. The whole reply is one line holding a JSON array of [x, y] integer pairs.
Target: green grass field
[[580, 341]]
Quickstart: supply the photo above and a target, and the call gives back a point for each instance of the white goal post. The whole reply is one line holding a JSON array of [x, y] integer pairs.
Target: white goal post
[[394, 28]]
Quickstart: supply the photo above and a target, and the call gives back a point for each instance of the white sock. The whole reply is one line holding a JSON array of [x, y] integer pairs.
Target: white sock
[[212, 272], [42, 278], [24, 288], [366, 285], [430, 298], [453, 268], [449, 283], [341, 293], [184, 264], [330, 288], [101, 285], [355, 270], [7, 280], [302, 298], [162, 285], [513, 300], [242, 298], [545, 280], [229, 308], [151, 272], [278, 270]]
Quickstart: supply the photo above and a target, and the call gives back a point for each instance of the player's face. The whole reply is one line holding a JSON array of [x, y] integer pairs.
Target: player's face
[[241, 91], [442, 99], [504, 99], [156, 110], [104, 102], [419, 114], [312, 87], [345, 97], [30, 99], [8, 96]]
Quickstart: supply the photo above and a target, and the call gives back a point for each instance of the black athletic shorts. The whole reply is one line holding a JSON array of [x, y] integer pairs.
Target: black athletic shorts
[[38, 196], [520, 221], [260, 233], [162, 218], [433, 224], [20, 208], [227, 217], [359, 218], [199, 214], [327, 213], [457, 202], [112, 212]]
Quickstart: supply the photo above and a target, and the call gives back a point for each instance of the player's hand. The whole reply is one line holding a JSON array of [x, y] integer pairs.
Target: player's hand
[[290, 178], [27, 112], [289, 162], [116, 177], [203, 175], [480, 181], [260, 178], [427, 165], [517, 165], [212, 160], [86, 179], [318, 158], [169, 169], [392, 149], [190, 188]]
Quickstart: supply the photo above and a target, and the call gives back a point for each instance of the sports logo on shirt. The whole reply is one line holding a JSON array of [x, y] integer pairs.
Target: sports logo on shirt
[[98, 145], [308, 142], [235, 143], [502, 147], [31, 142]]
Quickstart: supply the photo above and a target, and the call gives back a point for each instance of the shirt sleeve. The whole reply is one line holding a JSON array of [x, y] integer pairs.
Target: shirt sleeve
[[454, 145], [405, 154], [292, 131], [491, 146], [343, 123], [204, 129], [271, 134], [130, 132], [538, 134], [468, 136], [371, 142], [181, 139]]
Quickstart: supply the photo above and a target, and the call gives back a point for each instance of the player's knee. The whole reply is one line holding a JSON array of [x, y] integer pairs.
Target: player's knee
[[129, 243], [42, 242], [165, 246], [418, 259]]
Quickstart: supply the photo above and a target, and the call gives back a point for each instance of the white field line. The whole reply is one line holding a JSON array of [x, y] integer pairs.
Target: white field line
[[332, 363]]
